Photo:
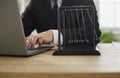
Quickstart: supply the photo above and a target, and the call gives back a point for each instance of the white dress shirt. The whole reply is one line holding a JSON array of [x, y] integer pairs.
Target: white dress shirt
[[55, 32], [59, 3]]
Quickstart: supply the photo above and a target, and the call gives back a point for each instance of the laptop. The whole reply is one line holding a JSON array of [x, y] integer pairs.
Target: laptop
[[12, 38]]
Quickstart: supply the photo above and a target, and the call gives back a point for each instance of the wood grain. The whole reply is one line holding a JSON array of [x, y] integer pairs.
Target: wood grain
[[47, 66]]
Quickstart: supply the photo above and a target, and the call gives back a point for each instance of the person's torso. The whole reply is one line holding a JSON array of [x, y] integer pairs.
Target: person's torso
[[44, 16]]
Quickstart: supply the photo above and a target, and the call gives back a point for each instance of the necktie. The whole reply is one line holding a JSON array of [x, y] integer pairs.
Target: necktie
[[55, 7]]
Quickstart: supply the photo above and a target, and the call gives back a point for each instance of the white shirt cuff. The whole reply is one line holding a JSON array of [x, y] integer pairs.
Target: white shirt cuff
[[55, 34]]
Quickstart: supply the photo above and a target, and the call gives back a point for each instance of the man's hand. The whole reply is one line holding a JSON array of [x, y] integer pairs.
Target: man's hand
[[41, 38]]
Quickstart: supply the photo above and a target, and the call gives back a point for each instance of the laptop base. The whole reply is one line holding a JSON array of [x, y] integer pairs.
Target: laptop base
[[30, 52]]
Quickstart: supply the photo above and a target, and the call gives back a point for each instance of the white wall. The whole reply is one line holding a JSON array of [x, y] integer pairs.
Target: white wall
[[23, 4], [96, 4], [109, 13]]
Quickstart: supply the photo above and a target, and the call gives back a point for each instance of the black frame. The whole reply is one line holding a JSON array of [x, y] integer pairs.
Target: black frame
[[77, 51]]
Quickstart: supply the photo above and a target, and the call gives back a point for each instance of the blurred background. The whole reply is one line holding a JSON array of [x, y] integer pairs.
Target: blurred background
[[109, 18]]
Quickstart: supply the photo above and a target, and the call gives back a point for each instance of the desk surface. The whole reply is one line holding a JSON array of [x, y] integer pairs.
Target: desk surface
[[47, 66]]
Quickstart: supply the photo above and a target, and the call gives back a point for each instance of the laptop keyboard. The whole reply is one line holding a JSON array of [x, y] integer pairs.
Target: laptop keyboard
[[38, 48]]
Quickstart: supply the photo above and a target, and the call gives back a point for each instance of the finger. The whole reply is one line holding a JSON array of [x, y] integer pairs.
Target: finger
[[26, 38], [34, 41], [40, 41], [28, 42]]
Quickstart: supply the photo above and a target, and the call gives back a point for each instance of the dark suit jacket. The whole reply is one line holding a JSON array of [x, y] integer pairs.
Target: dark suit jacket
[[39, 15]]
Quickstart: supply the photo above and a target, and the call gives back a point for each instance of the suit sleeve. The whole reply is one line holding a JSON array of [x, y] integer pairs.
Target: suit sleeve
[[28, 20]]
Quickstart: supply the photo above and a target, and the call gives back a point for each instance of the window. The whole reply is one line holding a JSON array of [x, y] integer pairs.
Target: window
[[109, 13]]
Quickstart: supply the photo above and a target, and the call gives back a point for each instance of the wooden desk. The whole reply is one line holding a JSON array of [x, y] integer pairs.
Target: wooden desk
[[47, 66]]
